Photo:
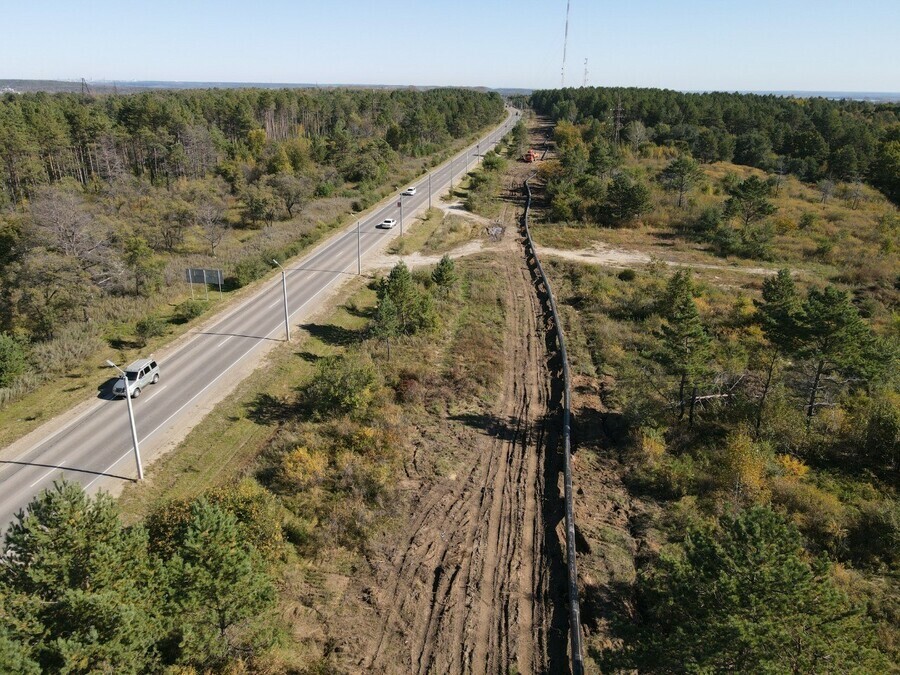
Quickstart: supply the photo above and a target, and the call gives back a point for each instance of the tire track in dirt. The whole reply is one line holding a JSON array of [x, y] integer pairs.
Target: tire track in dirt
[[468, 589]]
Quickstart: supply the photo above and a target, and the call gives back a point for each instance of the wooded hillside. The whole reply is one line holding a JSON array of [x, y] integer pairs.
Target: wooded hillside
[[105, 200]]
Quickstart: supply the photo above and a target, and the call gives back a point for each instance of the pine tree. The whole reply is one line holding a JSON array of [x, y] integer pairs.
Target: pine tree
[[219, 584], [680, 175], [685, 341], [626, 199], [749, 200], [744, 597], [779, 314], [87, 581], [16, 657], [835, 338], [444, 275], [415, 309], [387, 322]]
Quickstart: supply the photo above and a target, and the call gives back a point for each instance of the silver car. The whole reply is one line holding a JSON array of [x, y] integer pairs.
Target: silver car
[[139, 374]]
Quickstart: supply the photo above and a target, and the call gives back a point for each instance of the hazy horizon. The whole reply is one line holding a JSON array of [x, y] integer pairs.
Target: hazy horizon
[[698, 45]]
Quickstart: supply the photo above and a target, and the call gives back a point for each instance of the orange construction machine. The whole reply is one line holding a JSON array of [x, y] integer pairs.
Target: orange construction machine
[[530, 156]]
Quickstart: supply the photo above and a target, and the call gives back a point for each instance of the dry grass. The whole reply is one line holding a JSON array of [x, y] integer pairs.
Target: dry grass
[[419, 231], [452, 232]]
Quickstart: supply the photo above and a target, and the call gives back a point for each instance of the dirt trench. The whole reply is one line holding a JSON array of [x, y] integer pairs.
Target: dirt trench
[[476, 583]]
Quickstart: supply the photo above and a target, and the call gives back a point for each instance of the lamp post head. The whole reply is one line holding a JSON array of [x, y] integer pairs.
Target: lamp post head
[[111, 364]]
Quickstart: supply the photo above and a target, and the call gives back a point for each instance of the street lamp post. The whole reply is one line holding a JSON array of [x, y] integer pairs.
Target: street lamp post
[[287, 321], [358, 252], [134, 437], [401, 216]]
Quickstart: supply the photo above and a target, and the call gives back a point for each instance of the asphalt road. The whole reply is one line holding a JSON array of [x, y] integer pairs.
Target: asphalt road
[[95, 449]]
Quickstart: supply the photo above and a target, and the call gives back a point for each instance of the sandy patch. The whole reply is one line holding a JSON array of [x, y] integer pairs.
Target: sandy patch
[[601, 254]]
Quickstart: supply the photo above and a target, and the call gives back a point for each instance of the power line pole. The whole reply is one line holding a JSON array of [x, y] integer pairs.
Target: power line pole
[[287, 321], [617, 117], [134, 436], [562, 77]]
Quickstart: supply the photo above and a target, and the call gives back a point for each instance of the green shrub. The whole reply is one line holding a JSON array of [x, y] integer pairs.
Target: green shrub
[[627, 275], [671, 477], [874, 535], [248, 270], [12, 359], [820, 515], [150, 327], [341, 386], [189, 309], [493, 162]]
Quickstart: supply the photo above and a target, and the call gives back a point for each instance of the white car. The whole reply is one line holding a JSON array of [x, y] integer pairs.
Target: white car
[[140, 373], [388, 224], [409, 192]]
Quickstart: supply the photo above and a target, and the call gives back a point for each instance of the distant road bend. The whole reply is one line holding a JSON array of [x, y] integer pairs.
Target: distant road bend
[[94, 448]]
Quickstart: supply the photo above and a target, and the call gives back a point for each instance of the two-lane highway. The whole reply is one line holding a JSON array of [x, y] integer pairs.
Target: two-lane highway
[[94, 448]]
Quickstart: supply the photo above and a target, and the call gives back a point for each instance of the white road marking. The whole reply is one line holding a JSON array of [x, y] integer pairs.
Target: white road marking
[[223, 341], [156, 390], [55, 468]]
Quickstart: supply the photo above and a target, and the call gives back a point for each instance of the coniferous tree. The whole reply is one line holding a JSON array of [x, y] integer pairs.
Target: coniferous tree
[[219, 585], [20, 633], [444, 275], [685, 340], [387, 322], [744, 597], [415, 309], [835, 338], [749, 201], [73, 570], [779, 314], [680, 175], [626, 199]]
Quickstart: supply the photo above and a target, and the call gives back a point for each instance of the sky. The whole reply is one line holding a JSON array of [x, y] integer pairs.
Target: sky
[[754, 45]]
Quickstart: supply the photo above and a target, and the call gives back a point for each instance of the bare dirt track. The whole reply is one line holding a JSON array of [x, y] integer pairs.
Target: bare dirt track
[[475, 581]]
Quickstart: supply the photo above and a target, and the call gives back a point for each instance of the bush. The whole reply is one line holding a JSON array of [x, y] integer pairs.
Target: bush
[[670, 477], [68, 351], [302, 469], [188, 310], [341, 386], [874, 535], [819, 514], [493, 162], [12, 359], [150, 327], [707, 222], [248, 270], [253, 507], [627, 275]]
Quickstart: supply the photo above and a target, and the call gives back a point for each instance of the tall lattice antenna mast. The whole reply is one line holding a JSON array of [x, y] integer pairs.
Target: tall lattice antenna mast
[[584, 81], [562, 78]]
